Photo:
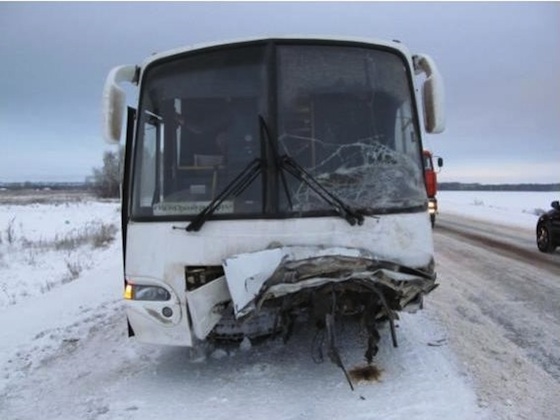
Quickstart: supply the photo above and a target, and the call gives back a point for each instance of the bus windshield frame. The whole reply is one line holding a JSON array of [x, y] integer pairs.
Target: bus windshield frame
[[345, 112]]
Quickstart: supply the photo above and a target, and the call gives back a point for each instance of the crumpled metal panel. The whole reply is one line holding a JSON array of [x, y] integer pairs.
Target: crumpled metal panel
[[255, 277], [206, 305]]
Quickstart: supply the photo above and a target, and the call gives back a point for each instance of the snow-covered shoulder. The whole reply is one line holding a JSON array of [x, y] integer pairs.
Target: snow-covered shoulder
[[519, 209]]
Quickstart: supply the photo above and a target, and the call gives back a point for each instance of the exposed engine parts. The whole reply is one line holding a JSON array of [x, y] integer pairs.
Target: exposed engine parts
[[324, 288]]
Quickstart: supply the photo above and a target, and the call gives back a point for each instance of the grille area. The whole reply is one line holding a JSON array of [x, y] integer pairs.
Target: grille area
[[199, 275]]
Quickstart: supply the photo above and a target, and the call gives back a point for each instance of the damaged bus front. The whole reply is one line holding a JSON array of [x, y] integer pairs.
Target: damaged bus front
[[272, 179]]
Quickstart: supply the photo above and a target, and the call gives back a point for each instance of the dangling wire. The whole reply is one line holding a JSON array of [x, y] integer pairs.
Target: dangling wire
[[317, 346], [333, 352]]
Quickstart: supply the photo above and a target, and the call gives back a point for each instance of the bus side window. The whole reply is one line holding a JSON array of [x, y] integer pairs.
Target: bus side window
[[148, 166]]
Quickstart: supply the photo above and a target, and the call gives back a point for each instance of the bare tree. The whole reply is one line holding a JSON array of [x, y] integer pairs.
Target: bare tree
[[107, 179]]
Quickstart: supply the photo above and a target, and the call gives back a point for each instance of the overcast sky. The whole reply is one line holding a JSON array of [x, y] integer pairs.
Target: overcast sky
[[500, 63]]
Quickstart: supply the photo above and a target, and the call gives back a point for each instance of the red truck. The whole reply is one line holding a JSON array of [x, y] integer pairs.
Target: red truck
[[430, 174]]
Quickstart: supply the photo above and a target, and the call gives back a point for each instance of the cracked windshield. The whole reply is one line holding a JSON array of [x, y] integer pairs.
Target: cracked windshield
[[342, 113]]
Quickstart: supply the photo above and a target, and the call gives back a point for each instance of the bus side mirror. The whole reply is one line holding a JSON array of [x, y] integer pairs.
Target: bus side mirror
[[439, 162], [433, 94], [114, 101]]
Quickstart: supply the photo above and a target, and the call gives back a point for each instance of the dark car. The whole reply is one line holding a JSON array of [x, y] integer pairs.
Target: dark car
[[548, 229]]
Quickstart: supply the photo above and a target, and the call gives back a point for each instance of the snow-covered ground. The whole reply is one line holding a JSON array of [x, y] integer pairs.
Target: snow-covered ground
[[503, 207], [45, 245], [64, 353]]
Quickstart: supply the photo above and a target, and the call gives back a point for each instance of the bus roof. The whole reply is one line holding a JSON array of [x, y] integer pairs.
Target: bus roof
[[372, 41]]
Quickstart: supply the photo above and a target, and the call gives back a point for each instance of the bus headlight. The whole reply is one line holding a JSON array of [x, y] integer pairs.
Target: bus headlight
[[141, 292]]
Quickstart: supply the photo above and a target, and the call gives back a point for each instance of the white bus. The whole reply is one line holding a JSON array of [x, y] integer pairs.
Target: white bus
[[268, 180]]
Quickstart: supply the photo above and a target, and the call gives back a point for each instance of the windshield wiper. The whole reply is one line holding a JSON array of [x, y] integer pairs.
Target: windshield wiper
[[275, 157], [288, 163], [351, 215], [234, 188], [285, 162]]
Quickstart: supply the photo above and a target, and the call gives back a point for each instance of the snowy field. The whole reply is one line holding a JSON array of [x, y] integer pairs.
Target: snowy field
[[503, 207], [64, 351], [43, 246]]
